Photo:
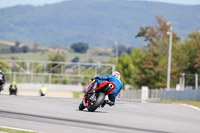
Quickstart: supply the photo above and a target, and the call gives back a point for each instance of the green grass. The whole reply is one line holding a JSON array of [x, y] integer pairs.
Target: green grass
[[78, 94], [6, 130], [27, 56], [43, 56], [4, 46], [94, 55], [88, 57], [193, 103]]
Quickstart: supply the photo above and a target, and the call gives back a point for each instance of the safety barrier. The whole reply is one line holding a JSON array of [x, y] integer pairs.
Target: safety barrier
[[136, 95], [55, 87], [188, 95]]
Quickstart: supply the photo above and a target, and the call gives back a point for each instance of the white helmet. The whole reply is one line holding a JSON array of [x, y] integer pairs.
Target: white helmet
[[0, 71], [116, 74]]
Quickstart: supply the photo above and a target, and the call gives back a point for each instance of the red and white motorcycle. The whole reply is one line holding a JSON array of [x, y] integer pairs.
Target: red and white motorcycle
[[95, 95]]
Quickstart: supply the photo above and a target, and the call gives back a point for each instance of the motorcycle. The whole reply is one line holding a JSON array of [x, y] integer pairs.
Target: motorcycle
[[43, 92], [95, 95], [1, 87], [13, 91], [2, 82]]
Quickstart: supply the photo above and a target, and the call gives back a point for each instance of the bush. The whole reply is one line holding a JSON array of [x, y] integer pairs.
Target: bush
[[80, 47]]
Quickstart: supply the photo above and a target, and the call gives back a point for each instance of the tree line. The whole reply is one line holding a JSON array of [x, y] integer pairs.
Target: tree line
[[148, 66]]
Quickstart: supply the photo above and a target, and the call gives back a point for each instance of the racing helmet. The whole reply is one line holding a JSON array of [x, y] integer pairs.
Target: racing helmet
[[0, 71], [116, 74]]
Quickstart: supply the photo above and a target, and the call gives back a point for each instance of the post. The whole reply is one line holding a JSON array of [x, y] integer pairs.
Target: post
[[49, 78], [113, 68], [28, 67], [116, 44], [14, 76], [145, 93], [183, 87], [169, 58], [31, 78], [79, 68], [196, 81], [45, 68], [95, 70]]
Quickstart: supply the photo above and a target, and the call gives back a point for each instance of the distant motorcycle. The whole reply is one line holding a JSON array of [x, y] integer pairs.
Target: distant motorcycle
[[2, 81], [1, 87], [95, 95], [13, 90], [43, 92]]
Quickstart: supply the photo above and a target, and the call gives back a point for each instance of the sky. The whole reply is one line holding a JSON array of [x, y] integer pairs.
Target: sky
[[10, 3]]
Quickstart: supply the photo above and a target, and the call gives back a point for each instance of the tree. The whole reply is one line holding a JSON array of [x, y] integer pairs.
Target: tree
[[192, 50], [129, 50], [148, 66], [194, 39], [121, 50], [3, 66], [158, 33], [80, 47], [19, 49], [130, 67], [156, 54], [25, 49], [76, 59], [56, 67], [13, 49]]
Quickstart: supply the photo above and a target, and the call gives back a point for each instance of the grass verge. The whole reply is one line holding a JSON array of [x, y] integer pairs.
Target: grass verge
[[78, 94], [6, 130], [193, 103]]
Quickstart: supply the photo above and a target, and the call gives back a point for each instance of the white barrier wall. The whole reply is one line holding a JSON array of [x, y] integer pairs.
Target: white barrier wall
[[76, 88], [137, 95]]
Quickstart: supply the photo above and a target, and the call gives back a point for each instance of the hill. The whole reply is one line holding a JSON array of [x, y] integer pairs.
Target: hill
[[99, 23]]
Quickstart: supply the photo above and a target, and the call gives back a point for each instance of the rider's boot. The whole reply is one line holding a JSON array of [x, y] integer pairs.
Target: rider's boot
[[105, 102]]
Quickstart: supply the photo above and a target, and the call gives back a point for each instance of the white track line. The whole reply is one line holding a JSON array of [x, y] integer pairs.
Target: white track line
[[21, 129], [191, 106]]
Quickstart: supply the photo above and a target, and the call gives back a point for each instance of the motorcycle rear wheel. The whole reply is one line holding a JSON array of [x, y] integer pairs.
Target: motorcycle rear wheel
[[1, 88], [99, 100]]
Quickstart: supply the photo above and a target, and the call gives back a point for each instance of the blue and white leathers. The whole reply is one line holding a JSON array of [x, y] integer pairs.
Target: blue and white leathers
[[113, 79]]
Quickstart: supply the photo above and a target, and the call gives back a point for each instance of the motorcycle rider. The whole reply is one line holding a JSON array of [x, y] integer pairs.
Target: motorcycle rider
[[13, 88], [43, 90], [2, 79], [114, 78]]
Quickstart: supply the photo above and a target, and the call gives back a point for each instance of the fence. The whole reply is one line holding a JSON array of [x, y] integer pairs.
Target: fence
[[135, 95], [47, 72], [44, 78], [188, 95]]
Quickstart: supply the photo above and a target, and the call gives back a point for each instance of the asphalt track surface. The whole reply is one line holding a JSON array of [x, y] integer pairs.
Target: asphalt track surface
[[61, 115]]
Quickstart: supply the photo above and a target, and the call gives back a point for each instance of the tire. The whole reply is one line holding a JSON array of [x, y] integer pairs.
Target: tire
[[11, 92], [81, 106], [15, 93], [1, 88], [99, 100]]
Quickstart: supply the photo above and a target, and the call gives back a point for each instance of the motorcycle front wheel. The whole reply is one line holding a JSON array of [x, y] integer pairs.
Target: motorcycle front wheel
[[99, 100], [81, 106]]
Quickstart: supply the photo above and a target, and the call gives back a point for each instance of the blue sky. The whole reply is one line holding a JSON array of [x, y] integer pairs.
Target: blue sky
[[10, 3]]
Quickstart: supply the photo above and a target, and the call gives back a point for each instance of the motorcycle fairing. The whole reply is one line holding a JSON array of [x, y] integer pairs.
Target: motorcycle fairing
[[103, 84]]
